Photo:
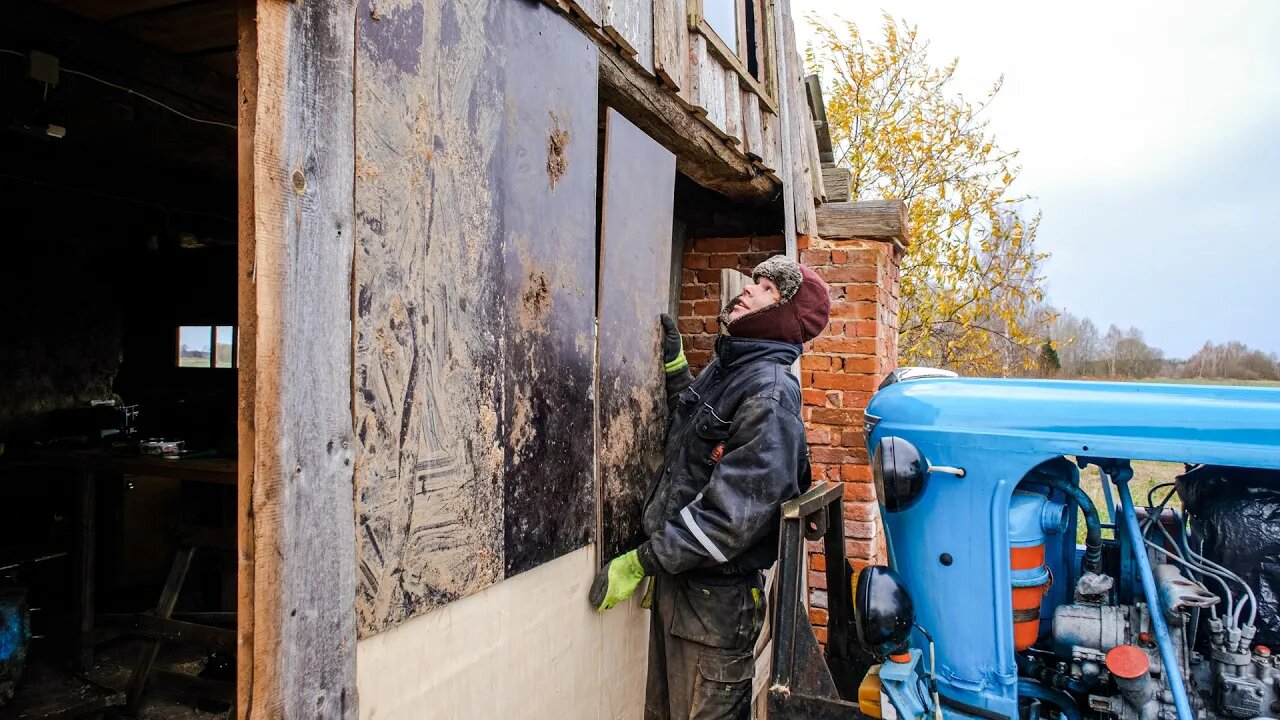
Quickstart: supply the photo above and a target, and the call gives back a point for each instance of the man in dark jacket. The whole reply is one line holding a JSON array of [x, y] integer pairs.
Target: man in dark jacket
[[735, 452]]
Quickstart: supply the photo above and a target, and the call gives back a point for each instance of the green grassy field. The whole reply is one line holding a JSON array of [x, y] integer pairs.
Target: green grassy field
[[1146, 475]]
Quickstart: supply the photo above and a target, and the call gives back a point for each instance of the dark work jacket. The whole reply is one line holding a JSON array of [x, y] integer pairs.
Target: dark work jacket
[[735, 452]]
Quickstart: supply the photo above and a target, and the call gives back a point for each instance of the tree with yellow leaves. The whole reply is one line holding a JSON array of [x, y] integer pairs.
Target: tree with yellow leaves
[[970, 289]]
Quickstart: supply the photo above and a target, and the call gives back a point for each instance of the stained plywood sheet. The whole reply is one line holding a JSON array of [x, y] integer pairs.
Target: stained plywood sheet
[[475, 170], [635, 260], [548, 205]]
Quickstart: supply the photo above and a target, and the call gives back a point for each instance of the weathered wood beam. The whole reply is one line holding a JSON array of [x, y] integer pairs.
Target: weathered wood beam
[[95, 48], [700, 153], [836, 180], [870, 219], [297, 535]]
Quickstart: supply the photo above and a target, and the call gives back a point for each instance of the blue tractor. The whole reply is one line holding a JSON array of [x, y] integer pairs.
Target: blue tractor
[[990, 608]]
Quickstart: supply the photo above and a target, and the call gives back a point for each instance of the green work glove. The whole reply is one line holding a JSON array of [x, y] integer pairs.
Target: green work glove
[[616, 581], [672, 346]]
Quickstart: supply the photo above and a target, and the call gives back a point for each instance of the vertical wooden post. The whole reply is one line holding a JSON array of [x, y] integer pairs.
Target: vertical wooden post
[[297, 638]]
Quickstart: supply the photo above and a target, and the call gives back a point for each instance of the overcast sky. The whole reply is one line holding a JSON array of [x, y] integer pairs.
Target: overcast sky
[[1150, 134]]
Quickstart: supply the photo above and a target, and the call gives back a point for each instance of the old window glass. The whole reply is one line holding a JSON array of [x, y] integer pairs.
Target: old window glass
[[722, 16], [195, 346], [224, 348]]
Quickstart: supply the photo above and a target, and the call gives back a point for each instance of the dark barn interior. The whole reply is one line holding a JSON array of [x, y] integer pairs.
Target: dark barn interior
[[118, 194]]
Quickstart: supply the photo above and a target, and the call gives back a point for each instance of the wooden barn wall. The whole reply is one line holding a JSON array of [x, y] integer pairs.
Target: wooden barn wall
[[475, 296]]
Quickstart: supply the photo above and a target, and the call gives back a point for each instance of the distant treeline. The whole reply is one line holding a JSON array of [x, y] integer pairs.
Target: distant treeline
[[1075, 348]]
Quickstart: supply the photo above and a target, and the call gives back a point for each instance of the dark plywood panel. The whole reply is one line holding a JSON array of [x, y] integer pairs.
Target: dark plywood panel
[[635, 261], [475, 170], [548, 180]]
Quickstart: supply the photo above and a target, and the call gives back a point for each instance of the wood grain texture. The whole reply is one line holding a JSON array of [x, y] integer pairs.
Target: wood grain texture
[[630, 24], [870, 219], [671, 42], [635, 250], [303, 584], [800, 175], [700, 153], [771, 143], [733, 111], [246, 372], [752, 126], [708, 84], [836, 182], [475, 127]]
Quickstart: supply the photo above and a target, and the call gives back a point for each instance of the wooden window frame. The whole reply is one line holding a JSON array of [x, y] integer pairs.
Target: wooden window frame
[[762, 87]]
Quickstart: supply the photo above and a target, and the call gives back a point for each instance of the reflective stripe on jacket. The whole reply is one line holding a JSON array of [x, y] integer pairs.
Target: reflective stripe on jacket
[[735, 452]]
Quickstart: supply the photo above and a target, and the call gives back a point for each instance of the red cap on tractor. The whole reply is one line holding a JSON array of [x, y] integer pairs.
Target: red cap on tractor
[[1127, 662]]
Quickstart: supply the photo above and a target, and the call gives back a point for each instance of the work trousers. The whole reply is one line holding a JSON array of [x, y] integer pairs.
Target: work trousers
[[702, 634]]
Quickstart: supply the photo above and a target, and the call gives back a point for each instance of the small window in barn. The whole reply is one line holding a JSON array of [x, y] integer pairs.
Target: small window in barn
[[195, 346], [207, 346], [736, 31], [224, 346], [722, 16]]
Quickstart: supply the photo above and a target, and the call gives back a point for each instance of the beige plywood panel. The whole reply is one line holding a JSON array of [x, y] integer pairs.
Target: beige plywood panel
[[635, 268], [529, 648]]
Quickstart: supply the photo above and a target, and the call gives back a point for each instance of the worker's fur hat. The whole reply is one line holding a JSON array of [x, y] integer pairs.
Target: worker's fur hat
[[800, 315]]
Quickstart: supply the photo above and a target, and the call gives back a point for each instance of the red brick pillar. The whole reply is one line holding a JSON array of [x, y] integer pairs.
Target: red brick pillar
[[839, 372]]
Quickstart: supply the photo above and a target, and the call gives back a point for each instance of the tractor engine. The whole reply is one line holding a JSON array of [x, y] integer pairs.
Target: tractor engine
[[1102, 654]]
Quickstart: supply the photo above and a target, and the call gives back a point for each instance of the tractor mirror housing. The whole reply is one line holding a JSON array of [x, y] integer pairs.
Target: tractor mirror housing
[[883, 613], [899, 472]]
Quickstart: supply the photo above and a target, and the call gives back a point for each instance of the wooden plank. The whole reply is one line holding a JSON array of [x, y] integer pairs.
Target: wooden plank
[[869, 219], [164, 608], [733, 111], [708, 88], [303, 629], [836, 181], [475, 195], [246, 372], [629, 23], [752, 126], [169, 630], [771, 143], [700, 154], [814, 167], [590, 12], [800, 127], [635, 260], [671, 42]]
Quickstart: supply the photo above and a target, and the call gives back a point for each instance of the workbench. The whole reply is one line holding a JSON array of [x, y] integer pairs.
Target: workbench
[[89, 467]]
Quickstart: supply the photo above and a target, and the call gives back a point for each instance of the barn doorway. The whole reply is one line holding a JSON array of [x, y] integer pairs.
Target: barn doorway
[[120, 366]]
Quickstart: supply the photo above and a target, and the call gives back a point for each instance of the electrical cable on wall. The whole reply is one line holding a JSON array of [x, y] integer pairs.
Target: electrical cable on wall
[[131, 91]]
